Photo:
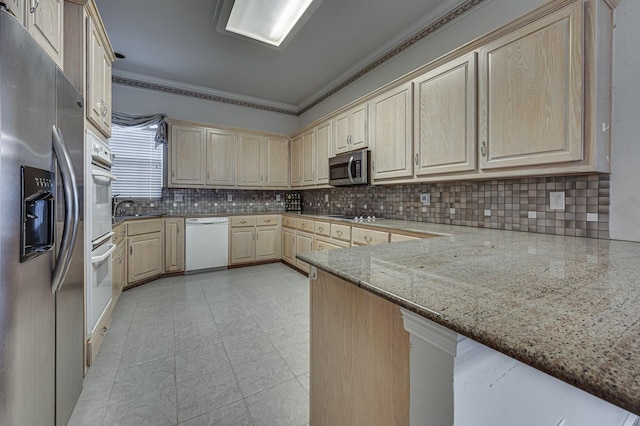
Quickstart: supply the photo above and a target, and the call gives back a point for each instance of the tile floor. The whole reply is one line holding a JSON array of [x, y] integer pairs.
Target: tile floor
[[221, 348]]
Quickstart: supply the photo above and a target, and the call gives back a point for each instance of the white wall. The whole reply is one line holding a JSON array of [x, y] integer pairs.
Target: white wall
[[137, 101], [624, 217]]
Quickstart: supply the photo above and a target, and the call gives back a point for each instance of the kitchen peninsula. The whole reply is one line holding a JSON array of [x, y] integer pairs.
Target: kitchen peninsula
[[565, 306]]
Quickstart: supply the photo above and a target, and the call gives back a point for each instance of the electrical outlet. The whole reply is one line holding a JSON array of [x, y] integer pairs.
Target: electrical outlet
[[556, 200], [177, 198], [487, 213], [229, 198], [326, 198], [425, 199]]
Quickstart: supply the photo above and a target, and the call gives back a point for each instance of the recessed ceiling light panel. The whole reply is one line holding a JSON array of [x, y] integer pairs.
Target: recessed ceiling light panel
[[266, 21]]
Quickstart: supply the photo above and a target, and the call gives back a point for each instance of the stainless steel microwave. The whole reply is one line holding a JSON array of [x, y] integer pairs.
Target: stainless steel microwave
[[350, 168]]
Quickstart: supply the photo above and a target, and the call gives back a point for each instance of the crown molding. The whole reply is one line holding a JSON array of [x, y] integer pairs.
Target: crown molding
[[142, 81]]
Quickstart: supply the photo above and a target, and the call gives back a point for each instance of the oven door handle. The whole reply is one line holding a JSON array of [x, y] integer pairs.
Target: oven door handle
[[101, 258], [103, 173], [349, 169], [71, 211]]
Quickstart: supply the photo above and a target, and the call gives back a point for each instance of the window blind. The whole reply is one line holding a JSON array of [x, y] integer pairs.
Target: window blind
[[137, 162]]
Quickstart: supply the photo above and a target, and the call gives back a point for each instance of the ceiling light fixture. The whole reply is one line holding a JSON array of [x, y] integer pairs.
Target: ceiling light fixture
[[269, 22]]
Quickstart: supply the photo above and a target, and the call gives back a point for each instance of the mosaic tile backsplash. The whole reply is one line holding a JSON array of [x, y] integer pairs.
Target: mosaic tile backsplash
[[511, 204]]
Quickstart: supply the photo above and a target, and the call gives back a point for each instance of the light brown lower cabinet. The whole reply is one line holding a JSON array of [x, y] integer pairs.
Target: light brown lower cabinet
[[119, 271], [304, 243], [145, 249], [254, 238], [173, 244], [289, 245], [359, 357]]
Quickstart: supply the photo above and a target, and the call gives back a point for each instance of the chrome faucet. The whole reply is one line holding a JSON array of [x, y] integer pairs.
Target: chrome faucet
[[116, 209]]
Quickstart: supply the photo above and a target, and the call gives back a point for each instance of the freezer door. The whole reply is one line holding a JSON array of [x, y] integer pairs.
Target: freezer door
[[27, 307]]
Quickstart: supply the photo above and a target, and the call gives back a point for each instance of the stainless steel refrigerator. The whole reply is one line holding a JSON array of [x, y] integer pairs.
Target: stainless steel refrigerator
[[41, 234]]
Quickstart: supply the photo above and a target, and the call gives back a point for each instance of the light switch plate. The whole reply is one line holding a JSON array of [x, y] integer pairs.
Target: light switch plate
[[177, 198], [229, 197], [556, 200], [326, 198]]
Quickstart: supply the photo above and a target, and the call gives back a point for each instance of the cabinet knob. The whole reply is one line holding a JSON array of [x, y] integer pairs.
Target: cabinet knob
[[339, 233], [321, 229], [483, 148]]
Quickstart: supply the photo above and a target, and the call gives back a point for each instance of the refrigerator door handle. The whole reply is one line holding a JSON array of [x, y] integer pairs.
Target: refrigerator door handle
[[71, 215]]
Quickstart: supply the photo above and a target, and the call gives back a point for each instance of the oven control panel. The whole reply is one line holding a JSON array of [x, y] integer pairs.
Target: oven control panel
[[100, 153]]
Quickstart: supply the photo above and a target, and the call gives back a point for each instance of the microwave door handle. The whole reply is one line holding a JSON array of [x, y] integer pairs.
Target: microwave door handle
[[349, 169], [71, 212], [103, 173]]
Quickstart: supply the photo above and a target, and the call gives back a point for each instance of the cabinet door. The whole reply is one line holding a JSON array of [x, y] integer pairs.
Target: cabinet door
[[221, 157], [18, 7], [266, 242], [296, 162], [391, 136], [531, 93], [174, 244], [243, 245], [342, 133], [145, 256], [323, 134], [445, 118], [119, 268], [188, 155], [289, 246], [95, 78], [276, 169], [106, 93], [304, 243], [250, 154], [45, 23], [358, 125], [308, 159]]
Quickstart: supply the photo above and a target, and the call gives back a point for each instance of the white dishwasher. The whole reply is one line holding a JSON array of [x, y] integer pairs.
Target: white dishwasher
[[206, 243]]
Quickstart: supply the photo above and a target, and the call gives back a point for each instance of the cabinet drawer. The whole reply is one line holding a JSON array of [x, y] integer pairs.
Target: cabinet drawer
[[144, 226], [288, 222], [119, 233], [363, 236], [341, 232], [241, 221], [304, 225], [399, 237], [323, 228], [329, 244], [267, 220]]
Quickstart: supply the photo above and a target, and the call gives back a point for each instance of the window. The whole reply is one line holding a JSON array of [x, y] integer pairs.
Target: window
[[137, 162]]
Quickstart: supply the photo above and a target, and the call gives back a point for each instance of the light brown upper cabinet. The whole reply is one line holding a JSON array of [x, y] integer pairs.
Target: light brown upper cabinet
[[445, 118], [296, 161], [350, 129], [263, 161], [308, 157], [532, 93], [45, 22], [188, 156], [18, 8], [99, 58], [323, 136], [221, 157], [391, 133]]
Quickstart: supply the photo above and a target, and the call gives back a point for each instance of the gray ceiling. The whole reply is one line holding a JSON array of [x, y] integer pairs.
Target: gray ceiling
[[177, 41]]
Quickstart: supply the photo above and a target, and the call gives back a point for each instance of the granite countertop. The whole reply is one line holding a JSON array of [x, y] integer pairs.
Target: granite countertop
[[567, 306], [115, 220]]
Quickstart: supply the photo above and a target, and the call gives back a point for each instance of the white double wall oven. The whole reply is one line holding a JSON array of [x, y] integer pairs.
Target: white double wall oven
[[99, 217]]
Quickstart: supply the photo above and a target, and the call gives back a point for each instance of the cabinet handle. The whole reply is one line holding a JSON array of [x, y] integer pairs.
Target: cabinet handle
[[373, 166], [103, 331], [339, 233], [243, 221], [483, 148], [173, 173], [304, 225], [321, 229], [416, 158], [367, 239], [257, 236], [33, 8], [130, 250], [267, 220]]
